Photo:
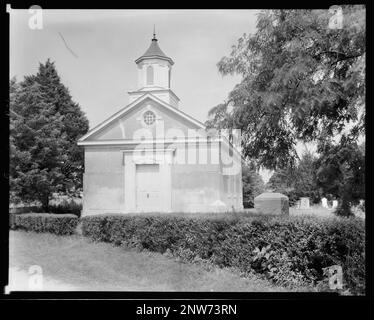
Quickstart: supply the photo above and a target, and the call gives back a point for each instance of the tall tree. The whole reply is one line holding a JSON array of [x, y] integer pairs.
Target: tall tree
[[45, 125], [301, 81]]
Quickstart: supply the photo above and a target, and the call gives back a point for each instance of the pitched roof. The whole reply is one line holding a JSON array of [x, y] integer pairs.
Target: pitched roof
[[154, 51]]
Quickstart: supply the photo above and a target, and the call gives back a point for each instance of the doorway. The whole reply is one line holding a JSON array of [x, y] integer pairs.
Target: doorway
[[148, 188]]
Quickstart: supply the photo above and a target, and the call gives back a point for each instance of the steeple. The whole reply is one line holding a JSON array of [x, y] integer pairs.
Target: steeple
[[154, 73], [154, 51]]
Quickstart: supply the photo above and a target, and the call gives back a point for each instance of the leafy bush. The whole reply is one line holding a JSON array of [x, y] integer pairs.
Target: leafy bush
[[66, 207], [11, 220], [24, 209], [45, 222], [248, 204], [288, 250]]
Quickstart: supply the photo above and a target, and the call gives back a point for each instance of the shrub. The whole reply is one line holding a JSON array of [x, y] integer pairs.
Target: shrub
[[24, 209], [11, 220], [248, 204], [290, 251], [45, 222], [66, 207]]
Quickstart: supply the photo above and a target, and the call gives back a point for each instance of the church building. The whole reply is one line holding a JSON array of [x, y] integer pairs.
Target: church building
[[151, 156]]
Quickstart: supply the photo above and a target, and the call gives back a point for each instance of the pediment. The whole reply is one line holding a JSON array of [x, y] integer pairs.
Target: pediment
[[146, 116]]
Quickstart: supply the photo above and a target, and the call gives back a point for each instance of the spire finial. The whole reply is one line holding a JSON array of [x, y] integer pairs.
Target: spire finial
[[154, 32]]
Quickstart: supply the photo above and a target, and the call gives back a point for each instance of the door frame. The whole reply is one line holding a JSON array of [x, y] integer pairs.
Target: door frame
[[164, 158], [161, 191]]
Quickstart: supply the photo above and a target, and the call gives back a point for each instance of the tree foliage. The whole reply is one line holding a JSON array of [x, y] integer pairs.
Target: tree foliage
[[341, 173], [253, 185], [301, 81], [45, 125], [337, 173], [298, 181]]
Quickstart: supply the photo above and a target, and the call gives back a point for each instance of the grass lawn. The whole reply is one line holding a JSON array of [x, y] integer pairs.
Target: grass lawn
[[74, 263]]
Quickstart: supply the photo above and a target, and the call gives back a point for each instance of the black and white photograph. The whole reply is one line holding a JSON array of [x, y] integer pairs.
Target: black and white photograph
[[170, 150]]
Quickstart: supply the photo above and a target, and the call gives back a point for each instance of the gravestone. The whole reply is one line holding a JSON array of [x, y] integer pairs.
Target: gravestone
[[272, 203], [324, 203], [334, 204], [304, 203]]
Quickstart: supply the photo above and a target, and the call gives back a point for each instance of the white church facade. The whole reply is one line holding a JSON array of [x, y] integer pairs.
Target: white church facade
[[152, 157]]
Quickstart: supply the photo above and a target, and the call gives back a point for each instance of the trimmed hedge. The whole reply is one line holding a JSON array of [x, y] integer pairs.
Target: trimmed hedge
[[60, 224], [290, 251], [66, 206]]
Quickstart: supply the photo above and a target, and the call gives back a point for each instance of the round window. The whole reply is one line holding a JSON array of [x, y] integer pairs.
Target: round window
[[149, 118]]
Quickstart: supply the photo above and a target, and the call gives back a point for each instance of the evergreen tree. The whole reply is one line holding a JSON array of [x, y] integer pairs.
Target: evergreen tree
[[45, 125]]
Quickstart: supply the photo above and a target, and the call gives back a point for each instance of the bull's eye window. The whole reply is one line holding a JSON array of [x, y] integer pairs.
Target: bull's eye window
[[149, 118]]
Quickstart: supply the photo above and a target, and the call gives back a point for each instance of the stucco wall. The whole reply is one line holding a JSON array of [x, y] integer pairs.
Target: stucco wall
[[103, 182], [199, 181], [195, 185], [160, 73], [232, 191]]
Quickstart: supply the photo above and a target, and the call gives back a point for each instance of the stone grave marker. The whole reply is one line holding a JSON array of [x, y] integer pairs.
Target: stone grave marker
[[324, 203], [272, 203], [304, 203]]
